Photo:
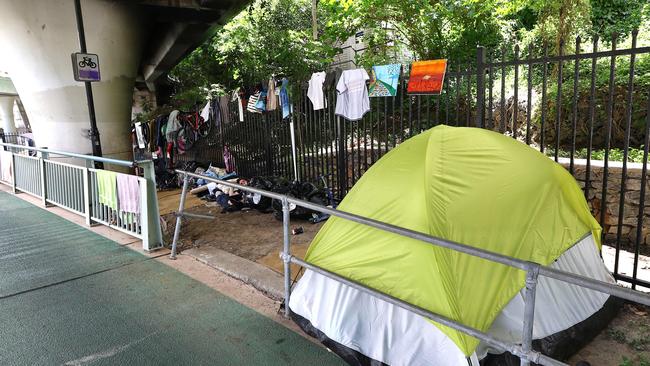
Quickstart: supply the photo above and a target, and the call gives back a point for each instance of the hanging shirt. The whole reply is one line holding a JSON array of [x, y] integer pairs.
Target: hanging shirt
[[252, 101], [315, 91], [352, 101], [385, 80], [205, 112], [271, 97], [173, 125], [240, 106], [224, 105], [284, 98]]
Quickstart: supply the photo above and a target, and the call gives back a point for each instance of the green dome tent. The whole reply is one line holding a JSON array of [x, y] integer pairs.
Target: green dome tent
[[467, 185]]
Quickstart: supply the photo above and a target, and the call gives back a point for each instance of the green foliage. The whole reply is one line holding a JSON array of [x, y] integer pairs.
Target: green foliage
[[616, 16], [426, 28], [272, 37]]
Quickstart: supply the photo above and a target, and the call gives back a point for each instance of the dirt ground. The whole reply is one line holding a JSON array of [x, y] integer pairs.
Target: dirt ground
[[626, 342], [258, 237], [249, 234]]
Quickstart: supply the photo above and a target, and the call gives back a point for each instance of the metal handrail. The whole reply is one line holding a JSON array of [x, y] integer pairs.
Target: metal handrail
[[149, 229], [125, 163], [524, 352]]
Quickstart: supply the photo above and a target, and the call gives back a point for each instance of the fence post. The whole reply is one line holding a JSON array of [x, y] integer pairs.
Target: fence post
[[529, 310], [179, 216], [87, 206], [13, 173], [269, 146], [340, 158], [286, 255], [153, 240], [480, 86], [44, 156]]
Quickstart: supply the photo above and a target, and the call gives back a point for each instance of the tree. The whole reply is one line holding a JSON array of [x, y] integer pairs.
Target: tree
[[426, 28]]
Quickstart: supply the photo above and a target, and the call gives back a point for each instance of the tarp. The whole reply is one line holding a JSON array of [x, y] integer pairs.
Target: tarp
[[467, 185]]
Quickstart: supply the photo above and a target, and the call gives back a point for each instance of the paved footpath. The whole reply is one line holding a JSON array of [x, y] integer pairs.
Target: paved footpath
[[71, 297]]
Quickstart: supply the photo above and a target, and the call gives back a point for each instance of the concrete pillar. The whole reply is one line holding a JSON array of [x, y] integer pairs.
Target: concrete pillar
[[7, 122], [38, 38]]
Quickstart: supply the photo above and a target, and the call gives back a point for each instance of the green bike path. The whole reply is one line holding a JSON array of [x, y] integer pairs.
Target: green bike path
[[71, 297]]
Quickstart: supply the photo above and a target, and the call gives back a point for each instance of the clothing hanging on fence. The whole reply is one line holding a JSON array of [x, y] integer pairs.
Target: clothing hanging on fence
[[352, 100], [161, 123], [240, 104], [271, 96], [284, 99], [315, 90], [252, 101], [228, 160], [427, 77], [6, 171], [173, 125], [333, 77], [260, 106], [224, 105], [128, 193], [215, 112], [385, 80], [153, 132], [205, 112], [107, 188]]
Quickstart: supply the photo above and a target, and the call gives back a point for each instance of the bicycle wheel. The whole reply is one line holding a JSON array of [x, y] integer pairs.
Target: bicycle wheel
[[185, 139]]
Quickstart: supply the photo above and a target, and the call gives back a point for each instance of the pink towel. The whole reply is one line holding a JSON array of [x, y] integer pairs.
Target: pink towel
[[128, 193]]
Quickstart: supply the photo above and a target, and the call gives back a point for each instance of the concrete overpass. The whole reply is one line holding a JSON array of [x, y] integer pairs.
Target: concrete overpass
[[136, 40]]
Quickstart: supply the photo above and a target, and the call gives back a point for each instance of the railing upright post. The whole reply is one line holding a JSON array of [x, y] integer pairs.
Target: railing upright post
[[153, 239], [13, 173], [480, 86], [341, 168], [44, 156], [86, 187], [529, 311], [286, 255], [179, 216]]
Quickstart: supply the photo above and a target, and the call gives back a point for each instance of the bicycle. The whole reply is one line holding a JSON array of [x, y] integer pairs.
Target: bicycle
[[193, 127], [87, 62]]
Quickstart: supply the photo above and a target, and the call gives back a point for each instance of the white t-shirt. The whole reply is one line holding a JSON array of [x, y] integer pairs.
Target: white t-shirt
[[352, 101], [205, 112], [315, 91]]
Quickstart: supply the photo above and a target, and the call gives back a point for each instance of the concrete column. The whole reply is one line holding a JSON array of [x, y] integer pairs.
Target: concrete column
[[38, 38], [7, 122]]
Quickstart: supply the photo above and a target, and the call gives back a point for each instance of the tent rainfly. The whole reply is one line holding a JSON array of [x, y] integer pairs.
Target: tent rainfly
[[467, 185]]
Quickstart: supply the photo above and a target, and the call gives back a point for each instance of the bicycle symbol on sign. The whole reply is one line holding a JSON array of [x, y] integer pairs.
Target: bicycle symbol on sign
[[87, 62]]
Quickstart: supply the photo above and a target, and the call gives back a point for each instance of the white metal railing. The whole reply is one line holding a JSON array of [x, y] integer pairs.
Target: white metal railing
[[74, 188]]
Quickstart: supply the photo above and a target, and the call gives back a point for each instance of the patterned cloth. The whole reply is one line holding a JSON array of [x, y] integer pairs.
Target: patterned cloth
[[284, 99], [427, 77], [385, 79]]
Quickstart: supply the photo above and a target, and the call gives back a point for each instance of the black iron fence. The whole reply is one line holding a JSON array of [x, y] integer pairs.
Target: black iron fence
[[583, 109]]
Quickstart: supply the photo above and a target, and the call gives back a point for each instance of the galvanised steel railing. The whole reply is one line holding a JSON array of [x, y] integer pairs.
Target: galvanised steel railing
[[74, 188], [533, 270]]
